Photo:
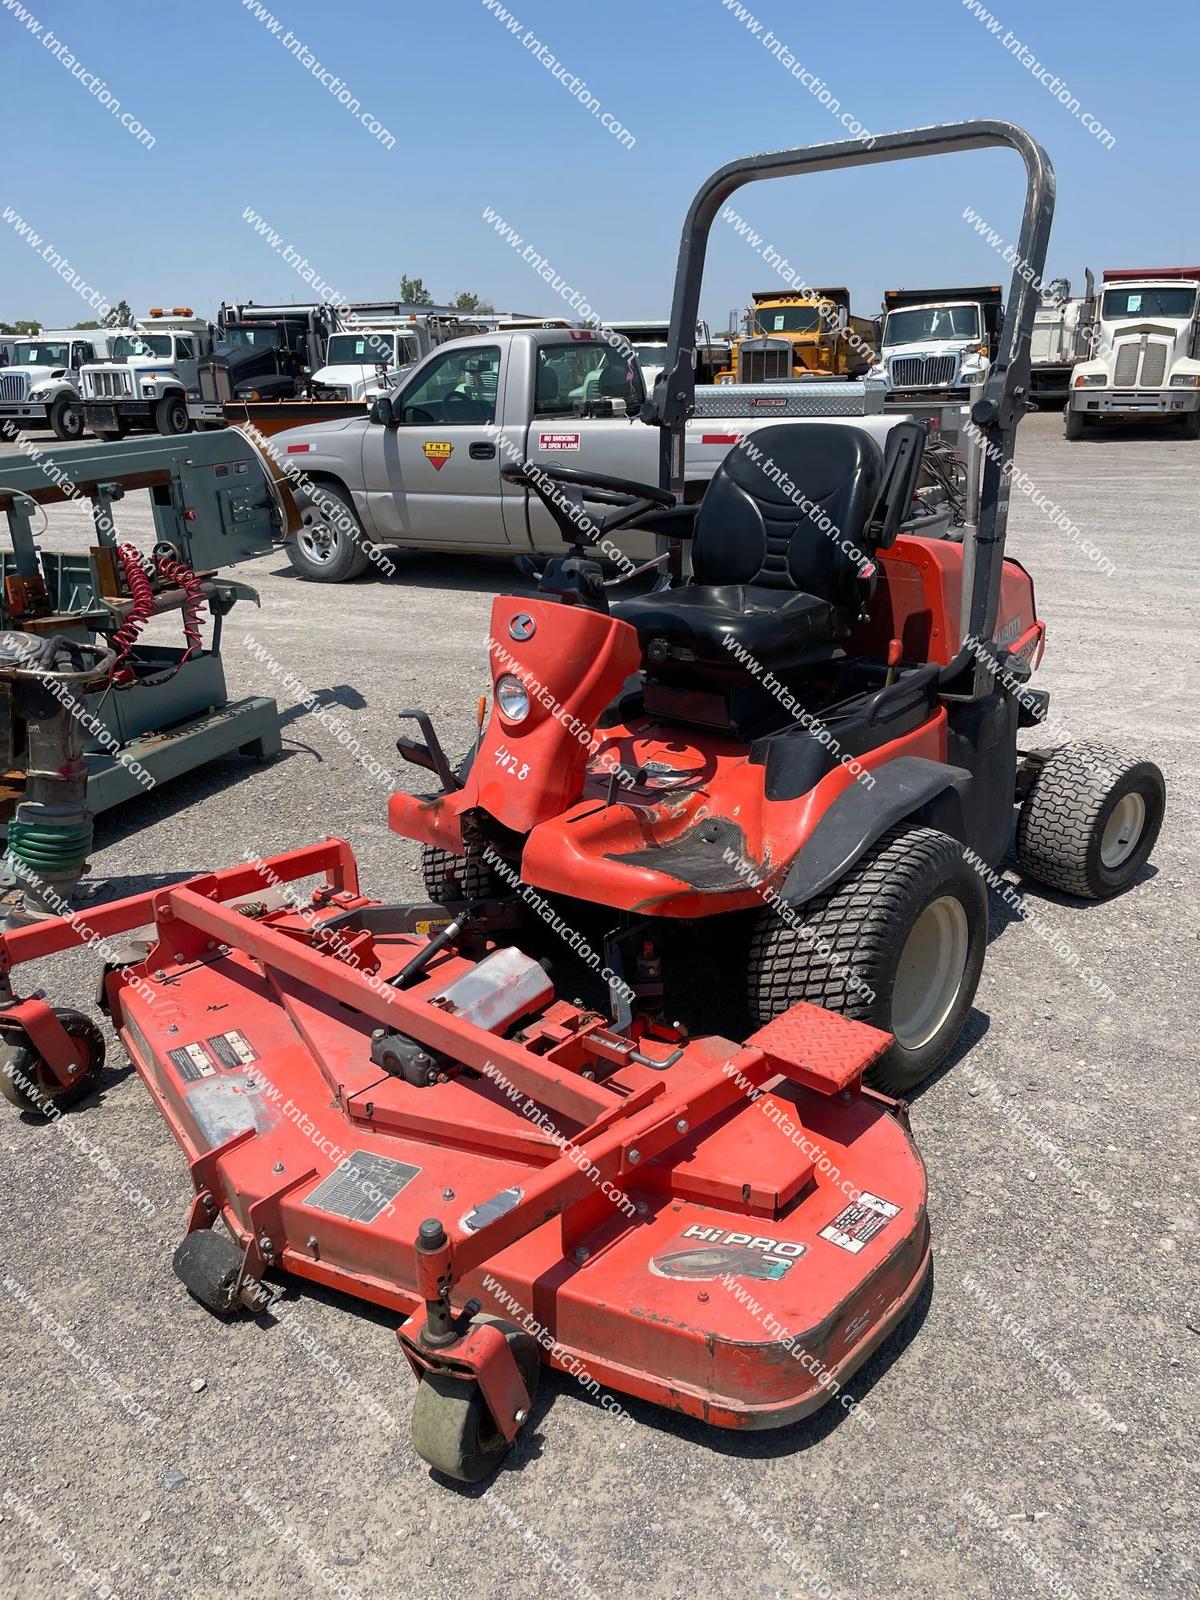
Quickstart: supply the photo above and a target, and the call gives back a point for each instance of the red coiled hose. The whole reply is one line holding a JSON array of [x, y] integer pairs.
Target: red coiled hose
[[178, 573], [142, 595]]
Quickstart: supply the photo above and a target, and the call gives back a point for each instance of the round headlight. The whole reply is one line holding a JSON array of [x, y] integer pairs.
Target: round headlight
[[512, 698]]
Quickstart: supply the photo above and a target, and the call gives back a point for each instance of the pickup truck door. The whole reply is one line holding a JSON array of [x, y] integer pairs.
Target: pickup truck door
[[435, 478], [620, 446]]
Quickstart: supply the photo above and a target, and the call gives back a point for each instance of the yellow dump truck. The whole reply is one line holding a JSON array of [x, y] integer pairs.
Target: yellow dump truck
[[798, 335]]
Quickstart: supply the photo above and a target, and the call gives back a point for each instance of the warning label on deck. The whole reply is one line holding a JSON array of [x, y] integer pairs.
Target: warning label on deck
[[362, 1187], [854, 1227], [230, 1050]]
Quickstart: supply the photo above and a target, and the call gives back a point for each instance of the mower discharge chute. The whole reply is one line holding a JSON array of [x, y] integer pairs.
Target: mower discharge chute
[[402, 1102]]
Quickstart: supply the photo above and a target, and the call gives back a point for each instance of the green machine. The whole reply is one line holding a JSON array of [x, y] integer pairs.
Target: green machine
[[89, 714]]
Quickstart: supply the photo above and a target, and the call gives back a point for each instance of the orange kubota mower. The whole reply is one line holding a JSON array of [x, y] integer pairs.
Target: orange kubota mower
[[403, 1102]]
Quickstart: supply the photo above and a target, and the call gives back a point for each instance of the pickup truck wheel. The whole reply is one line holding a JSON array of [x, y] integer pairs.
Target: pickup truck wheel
[[66, 417], [331, 547], [171, 414]]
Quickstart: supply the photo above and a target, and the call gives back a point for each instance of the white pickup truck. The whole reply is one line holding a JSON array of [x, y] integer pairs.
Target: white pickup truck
[[422, 470]]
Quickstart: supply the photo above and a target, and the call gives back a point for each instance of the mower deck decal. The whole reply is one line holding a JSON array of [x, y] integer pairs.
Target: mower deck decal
[[363, 1187], [857, 1224], [437, 452], [232, 1049], [718, 1253], [192, 1062]]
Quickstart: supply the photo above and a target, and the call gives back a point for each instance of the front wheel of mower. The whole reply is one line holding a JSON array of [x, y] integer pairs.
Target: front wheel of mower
[[27, 1082], [452, 1428], [898, 943], [1090, 820], [451, 877]]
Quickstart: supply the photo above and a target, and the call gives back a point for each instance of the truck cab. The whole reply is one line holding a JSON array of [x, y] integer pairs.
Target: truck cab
[[648, 341], [40, 384], [802, 335], [938, 341], [262, 353], [366, 360], [1145, 353], [150, 377]]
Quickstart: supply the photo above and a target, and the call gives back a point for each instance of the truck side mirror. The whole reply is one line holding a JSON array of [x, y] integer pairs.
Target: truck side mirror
[[383, 412]]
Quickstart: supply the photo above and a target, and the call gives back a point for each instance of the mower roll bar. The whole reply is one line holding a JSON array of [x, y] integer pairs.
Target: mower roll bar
[[995, 415]]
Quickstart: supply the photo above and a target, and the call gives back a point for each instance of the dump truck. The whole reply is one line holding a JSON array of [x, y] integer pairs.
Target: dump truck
[[363, 358], [803, 335], [938, 340], [1061, 336], [262, 353], [1144, 363]]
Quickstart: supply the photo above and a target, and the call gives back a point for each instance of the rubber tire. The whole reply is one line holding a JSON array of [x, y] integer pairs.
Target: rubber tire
[[110, 435], [24, 1059], [452, 1428], [1075, 425], [64, 405], [1062, 819], [349, 561], [451, 877], [866, 919], [1191, 425], [207, 1264], [168, 413]]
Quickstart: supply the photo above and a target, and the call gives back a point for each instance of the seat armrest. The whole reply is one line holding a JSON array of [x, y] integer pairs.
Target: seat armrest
[[677, 523]]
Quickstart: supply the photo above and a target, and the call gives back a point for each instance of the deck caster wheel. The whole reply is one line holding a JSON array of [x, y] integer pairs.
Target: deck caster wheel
[[27, 1082], [1090, 820], [209, 1265], [452, 1428]]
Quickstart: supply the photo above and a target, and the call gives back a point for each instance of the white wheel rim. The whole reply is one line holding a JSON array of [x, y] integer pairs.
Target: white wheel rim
[[930, 972], [1123, 830]]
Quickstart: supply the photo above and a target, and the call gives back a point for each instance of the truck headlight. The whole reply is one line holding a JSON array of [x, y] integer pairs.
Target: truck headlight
[[148, 391], [1186, 380], [1090, 380], [512, 698]]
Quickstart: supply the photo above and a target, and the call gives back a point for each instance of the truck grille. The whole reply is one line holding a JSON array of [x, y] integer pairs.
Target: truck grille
[[108, 383], [759, 364], [914, 372], [1151, 358], [1154, 365], [1125, 371], [214, 385], [14, 385]]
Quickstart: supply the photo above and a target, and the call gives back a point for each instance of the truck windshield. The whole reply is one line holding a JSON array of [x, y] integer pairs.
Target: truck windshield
[[791, 319], [40, 355], [650, 355], [253, 334], [142, 344], [360, 350], [1120, 303], [931, 322]]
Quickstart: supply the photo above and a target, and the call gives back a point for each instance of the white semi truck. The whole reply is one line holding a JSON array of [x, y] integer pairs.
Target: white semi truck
[[40, 384], [1145, 353]]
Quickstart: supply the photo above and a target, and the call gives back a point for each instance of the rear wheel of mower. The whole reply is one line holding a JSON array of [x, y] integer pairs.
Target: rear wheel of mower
[[331, 547], [451, 877], [1090, 820], [26, 1081], [208, 1265], [898, 943], [452, 1428]]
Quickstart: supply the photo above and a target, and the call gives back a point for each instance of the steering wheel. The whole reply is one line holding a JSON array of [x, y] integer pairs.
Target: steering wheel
[[633, 498]]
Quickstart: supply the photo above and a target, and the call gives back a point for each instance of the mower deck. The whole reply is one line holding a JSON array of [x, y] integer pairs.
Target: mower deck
[[727, 1230]]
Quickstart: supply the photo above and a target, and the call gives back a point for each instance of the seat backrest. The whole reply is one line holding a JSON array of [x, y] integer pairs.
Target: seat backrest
[[789, 509]]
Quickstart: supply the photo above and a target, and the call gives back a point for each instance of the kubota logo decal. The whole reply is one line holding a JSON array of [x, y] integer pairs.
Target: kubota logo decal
[[438, 451]]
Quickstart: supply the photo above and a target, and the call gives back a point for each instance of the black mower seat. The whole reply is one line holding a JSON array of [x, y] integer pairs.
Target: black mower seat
[[772, 546]]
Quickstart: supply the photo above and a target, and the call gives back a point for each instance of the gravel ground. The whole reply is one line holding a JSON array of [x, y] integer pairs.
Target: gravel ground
[[959, 1404]]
